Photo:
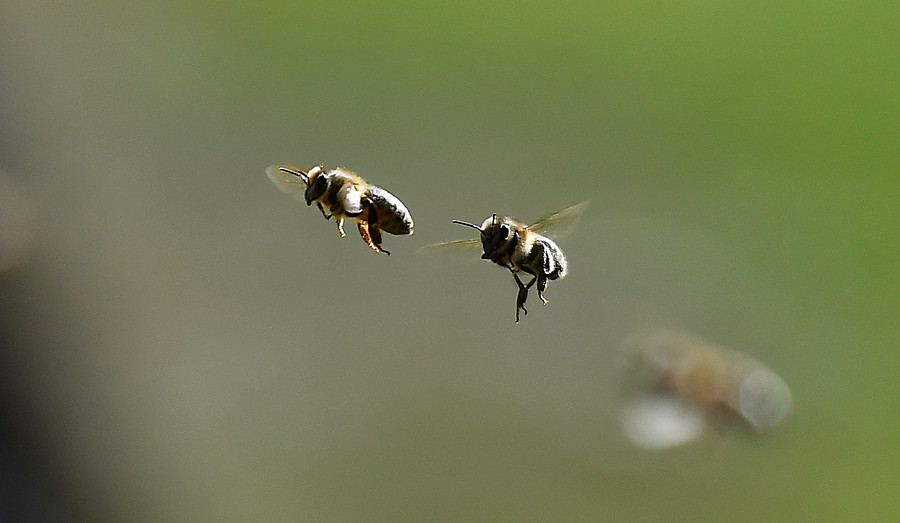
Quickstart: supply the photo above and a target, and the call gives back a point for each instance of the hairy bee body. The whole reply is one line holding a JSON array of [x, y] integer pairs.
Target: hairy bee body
[[392, 215], [518, 248], [522, 250], [342, 194]]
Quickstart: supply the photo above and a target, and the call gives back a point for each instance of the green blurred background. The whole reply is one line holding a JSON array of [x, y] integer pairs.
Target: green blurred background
[[184, 343]]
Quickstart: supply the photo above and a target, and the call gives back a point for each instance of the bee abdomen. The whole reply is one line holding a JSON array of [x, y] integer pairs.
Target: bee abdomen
[[555, 265], [393, 216]]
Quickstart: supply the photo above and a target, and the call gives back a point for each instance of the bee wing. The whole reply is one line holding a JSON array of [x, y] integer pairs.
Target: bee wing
[[456, 245], [549, 224], [289, 179]]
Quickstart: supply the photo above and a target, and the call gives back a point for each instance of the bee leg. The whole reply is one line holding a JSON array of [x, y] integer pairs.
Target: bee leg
[[340, 224], [371, 235], [522, 296], [327, 216], [520, 302], [375, 233], [542, 284]]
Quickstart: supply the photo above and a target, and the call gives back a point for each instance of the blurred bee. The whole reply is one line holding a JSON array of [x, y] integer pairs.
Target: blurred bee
[[343, 194], [679, 381], [522, 248]]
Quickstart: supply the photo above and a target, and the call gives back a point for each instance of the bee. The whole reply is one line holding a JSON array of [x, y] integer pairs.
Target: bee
[[680, 386], [341, 194], [709, 376], [522, 248]]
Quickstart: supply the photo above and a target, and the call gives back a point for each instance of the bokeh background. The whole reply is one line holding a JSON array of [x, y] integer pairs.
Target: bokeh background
[[182, 342]]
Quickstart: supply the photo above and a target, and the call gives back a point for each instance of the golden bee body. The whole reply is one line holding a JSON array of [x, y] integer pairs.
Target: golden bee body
[[342, 194]]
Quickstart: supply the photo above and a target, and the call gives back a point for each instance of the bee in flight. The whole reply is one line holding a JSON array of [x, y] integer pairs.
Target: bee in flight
[[522, 249], [343, 194]]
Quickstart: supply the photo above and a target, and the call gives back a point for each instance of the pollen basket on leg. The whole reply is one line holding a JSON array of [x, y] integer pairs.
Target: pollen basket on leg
[[366, 233]]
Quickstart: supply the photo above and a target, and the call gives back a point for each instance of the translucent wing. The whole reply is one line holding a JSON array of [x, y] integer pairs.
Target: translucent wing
[[289, 179], [550, 224], [456, 245]]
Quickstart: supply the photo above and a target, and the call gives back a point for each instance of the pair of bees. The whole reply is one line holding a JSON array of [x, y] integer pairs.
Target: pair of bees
[[518, 247]]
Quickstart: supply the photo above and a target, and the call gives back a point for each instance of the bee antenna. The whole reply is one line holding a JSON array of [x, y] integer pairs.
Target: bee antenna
[[302, 174], [467, 224]]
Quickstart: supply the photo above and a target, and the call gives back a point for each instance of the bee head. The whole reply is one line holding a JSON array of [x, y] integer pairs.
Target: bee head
[[494, 234], [316, 184]]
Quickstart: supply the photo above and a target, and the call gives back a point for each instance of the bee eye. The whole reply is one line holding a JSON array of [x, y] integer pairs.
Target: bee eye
[[504, 232], [316, 189]]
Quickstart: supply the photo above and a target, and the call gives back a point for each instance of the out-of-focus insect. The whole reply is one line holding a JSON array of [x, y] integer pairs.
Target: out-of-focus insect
[[679, 381], [343, 194], [522, 248]]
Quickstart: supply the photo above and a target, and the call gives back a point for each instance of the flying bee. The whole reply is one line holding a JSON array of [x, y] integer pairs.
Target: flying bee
[[522, 248], [343, 194], [679, 385]]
